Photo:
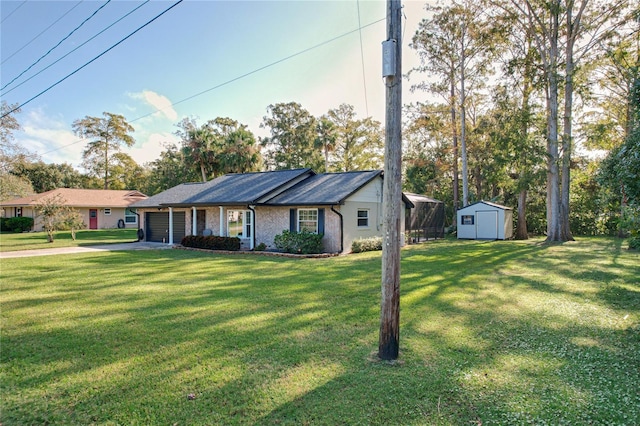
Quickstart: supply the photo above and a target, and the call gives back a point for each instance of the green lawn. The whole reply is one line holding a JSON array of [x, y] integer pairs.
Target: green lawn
[[491, 333], [38, 240]]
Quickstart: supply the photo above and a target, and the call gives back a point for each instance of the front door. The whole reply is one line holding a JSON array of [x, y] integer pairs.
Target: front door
[[201, 219], [93, 218]]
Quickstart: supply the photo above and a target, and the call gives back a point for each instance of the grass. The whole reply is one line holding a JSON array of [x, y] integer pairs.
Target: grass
[[38, 240], [491, 333]]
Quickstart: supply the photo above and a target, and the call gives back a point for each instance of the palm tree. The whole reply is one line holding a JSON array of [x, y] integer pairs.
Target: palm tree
[[197, 149]]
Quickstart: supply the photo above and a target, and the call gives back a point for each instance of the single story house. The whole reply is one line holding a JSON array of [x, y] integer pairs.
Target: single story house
[[426, 219], [256, 207], [485, 221], [100, 208]]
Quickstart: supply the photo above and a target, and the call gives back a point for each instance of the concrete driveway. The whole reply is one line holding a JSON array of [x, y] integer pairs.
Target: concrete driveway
[[143, 245]]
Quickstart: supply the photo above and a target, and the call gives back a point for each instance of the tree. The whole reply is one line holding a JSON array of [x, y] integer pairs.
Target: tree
[[457, 46], [108, 134], [325, 139], [12, 186], [219, 146], [579, 27], [293, 136], [56, 215], [72, 221], [126, 173], [357, 144], [429, 154], [196, 146], [621, 169], [168, 170], [241, 153], [10, 152], [438, 58], [45, 177]]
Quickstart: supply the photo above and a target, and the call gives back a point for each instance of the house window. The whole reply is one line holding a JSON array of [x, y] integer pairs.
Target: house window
[[466, 219], [363, 218], [239, 223], [308, 220], [18, 212], [107, 212], [130, 216]]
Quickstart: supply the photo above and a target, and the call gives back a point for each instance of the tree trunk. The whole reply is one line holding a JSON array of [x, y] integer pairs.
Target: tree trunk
[[454, 132], [479, 186], [521, 229], [553, 196], [106, 164], [463, 127], [203, 173], [572, 28]]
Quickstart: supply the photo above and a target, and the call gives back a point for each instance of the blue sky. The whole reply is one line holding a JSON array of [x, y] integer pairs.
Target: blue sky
[[197, 46]]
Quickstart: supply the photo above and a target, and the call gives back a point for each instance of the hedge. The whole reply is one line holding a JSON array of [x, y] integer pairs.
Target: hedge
[[211, 242], [16, 224], [303, 242], [366, 244]]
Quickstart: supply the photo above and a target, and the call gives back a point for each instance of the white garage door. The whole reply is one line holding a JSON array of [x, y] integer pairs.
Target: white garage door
[[487, 225]]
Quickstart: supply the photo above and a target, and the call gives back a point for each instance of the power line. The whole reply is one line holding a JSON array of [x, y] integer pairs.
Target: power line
[[262, 68], [78, 47], [92, 60], [42, 32], [58, 44], [364, 79], [237, 78], [13, 11]]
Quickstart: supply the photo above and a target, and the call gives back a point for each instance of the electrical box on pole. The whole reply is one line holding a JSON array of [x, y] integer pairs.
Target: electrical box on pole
[[389, 58]]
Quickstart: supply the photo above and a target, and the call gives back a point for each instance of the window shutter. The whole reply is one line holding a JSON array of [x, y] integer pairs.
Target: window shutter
[[292, 220], [321, 221]]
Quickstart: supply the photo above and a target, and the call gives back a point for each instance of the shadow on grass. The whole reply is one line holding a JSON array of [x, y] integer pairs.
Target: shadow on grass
[[490, 333]]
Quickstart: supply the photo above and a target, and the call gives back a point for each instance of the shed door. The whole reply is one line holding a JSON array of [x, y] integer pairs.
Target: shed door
[[157, 225], [487, 225]]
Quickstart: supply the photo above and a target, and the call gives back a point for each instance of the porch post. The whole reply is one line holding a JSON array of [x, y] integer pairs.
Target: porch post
[[170, 225], [221, 233], [194, 228]]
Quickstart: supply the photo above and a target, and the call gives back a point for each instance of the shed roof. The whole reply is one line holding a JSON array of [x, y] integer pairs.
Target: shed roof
[[76, 197], [324, 189], [488, 203]]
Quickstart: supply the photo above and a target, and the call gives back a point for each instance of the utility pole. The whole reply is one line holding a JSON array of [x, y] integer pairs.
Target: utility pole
[[389, 342]]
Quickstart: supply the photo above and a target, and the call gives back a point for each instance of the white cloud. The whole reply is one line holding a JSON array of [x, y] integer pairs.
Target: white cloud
[[51, 139], [161, 103], [149, 149]]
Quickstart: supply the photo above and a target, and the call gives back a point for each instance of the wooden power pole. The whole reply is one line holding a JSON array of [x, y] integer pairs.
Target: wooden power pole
[[388, 346]]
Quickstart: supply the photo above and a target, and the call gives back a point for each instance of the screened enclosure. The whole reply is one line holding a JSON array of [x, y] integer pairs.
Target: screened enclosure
[[426, 220]]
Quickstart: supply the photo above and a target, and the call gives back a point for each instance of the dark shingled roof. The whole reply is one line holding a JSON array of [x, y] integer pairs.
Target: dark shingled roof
[[324, 189], [230, 189]]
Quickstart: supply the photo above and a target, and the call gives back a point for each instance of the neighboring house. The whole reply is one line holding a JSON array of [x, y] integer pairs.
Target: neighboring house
[[100, 208], [485, 221], [256, 207]]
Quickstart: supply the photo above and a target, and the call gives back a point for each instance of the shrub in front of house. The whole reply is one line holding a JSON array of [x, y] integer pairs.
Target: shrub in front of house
[[211, 242], [16, 224], [303, 242], [366, 244]]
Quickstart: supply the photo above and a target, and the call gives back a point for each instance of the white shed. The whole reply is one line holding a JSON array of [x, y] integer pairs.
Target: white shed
[[485, 221]]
